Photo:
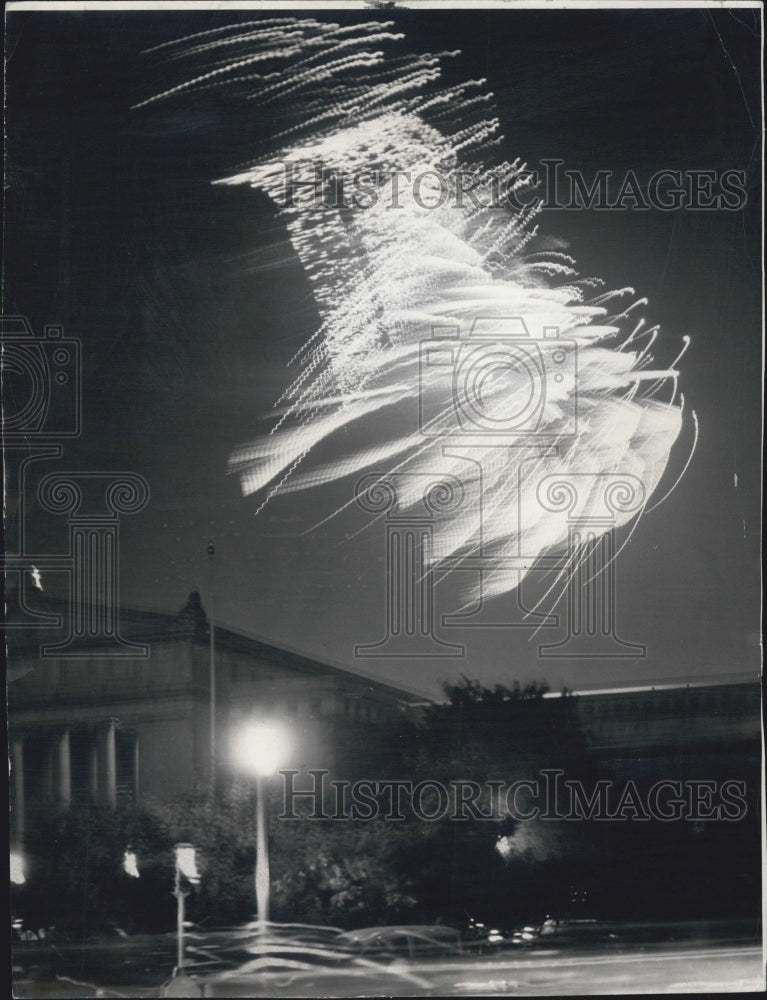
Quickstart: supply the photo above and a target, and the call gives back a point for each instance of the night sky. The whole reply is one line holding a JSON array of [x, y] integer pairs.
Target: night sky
[[189, 301]]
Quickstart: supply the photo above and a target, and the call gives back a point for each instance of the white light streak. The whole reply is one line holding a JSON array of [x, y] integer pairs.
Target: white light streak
[[418, 254]]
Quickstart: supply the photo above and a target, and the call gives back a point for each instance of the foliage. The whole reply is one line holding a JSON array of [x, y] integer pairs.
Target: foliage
[[340, 872], [502, 734], [344, 872], [75, 880]]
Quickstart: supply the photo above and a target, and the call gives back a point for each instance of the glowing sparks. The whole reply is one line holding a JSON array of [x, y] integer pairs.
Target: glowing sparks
[[442, 329]]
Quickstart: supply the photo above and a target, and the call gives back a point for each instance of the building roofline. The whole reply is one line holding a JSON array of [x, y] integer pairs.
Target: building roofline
[[311, 664], [144, 625], [715, 680]]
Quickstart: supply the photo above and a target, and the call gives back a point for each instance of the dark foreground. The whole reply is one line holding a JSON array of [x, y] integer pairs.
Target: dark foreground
[[579, 958]]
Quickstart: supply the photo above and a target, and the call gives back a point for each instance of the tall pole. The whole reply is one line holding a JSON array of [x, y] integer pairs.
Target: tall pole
[[180, 899], [262, 857], [180, 925], [212, 563], [186, 866]]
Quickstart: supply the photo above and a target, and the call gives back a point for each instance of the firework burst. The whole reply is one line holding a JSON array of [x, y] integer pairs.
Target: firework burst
[[533, 352]]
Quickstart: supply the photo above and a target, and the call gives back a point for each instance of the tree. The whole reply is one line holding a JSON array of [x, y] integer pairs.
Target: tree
[[341, 873], [76, 881], [501, 868], [494, 866]]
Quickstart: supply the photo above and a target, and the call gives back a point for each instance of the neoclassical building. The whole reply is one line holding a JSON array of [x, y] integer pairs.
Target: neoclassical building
[[120, 710], [674, 728], [86, 723]]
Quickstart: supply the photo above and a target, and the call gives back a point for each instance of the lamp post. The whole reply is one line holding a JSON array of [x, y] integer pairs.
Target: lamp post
[[260, 748], [18, 878], [186, 872], [212, 564]]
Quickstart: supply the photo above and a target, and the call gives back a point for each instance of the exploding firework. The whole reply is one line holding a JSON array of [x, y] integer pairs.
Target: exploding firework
[[443, 336]]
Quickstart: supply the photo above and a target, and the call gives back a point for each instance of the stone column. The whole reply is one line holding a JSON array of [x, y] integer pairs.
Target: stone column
[[106, 775], [135, 768], [110, 777], [17, 773], [94, 767], [65, 769], [48, 769]]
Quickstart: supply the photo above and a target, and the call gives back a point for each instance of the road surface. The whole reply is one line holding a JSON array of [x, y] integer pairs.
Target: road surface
[[139, 966]]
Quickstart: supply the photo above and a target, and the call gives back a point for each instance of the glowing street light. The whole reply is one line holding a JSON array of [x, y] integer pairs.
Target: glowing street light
[[186, 863], [260, 748]]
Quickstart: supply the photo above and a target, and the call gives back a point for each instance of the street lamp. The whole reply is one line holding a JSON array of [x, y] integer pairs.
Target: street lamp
[[260, 748], [186, 874], [212, 563]]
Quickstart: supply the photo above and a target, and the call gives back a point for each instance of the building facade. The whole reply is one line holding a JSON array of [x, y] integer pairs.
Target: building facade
[[675, 730], [91, 726], [86, 725]]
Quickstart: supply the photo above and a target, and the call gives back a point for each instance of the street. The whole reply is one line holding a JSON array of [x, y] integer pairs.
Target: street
[[677, 970], [138, 967]]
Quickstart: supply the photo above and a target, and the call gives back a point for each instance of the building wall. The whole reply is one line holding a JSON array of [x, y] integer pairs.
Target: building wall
[[157, 712], [139, 728], [675, 732]]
